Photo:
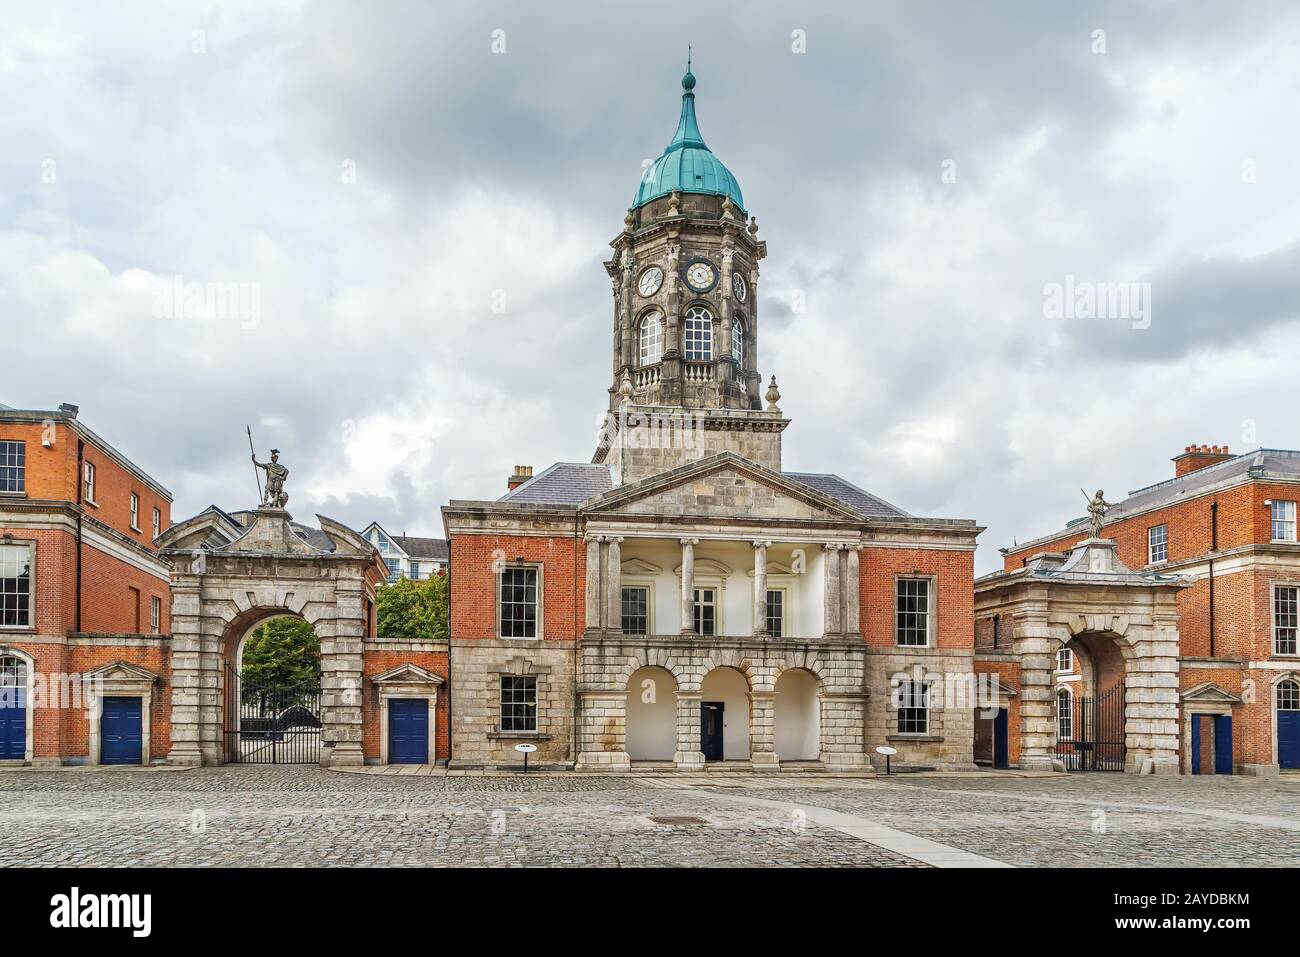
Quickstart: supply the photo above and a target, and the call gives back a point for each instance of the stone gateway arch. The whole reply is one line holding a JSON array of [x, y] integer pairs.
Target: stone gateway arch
[[231, 573]]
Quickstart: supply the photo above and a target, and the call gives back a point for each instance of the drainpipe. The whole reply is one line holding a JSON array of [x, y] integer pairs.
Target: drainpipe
[[1214, 547], [81, 467]]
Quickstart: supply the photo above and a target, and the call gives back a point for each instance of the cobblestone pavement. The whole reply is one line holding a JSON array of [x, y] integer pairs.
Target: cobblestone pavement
[[306, 816]]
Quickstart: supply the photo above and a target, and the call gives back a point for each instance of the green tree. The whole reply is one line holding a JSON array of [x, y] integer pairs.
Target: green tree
[[413, 609], [284, 651]]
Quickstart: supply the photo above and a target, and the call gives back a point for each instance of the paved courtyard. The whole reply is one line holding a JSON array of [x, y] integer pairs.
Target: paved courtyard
[[304, 816]]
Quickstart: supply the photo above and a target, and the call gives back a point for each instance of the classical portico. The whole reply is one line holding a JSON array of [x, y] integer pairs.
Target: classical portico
[[1088, 593]]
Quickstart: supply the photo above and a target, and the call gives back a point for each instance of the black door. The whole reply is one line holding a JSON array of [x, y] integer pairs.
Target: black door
[[711, 729]]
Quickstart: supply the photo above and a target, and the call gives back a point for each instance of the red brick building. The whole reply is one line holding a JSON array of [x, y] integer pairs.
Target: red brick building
[[84, 597], [1227, 523]]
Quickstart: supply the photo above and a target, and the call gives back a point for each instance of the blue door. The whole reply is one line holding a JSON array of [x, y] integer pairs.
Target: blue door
[[13, 723], [408, 731], [1001, 750], [1288, 739], [121, 740], [1196, 743], [1222, 744]]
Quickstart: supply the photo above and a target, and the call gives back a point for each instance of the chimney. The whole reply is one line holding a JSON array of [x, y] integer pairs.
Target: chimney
[[1197, 457], [522, 474]]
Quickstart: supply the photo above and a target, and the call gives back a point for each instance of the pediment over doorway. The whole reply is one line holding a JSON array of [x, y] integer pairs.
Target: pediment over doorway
[[1207, 692], [407, 674]]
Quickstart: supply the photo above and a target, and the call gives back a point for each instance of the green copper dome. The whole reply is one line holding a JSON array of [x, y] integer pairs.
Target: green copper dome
[[687, 164]]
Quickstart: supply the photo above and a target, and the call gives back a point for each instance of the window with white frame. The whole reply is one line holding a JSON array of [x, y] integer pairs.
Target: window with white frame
[[706, 611], [1288, 695], [519, 603], [1283, 521], [394, 569], [157, 523], [417, 571], [518, 703], [1157, 544], [738, 341], [651, 338], [88, 480], [13, 466], [16, 586], [13, 674], [1286, 611], [699, 334], [912, 611], [913, 700], [1064, 660], [636, 610], [1064, 715], [776, 612], [135, 511], [155, 614]]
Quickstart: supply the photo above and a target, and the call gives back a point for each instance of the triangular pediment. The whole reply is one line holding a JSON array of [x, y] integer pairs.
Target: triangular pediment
[[1208, 692], [407, 674], [726, 486], [121, 671]]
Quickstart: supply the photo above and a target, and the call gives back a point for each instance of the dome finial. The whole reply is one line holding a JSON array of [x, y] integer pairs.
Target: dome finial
[[688, 81]]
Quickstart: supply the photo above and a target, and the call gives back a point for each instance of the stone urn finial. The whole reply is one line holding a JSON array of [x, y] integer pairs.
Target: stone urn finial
[[728, 208], [675, 204], [773, 396], [629, 220], [753, 225], [625, 389]]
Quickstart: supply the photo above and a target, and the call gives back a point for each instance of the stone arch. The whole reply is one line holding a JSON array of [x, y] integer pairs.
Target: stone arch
[[797, 715], [731, 686], [652, 658], [651, 714], [234, 571]]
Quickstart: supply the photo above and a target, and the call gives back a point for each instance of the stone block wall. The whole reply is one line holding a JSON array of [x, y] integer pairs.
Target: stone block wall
[[948, 744]]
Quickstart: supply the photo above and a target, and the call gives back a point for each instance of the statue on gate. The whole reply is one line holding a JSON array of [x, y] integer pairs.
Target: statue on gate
[[1097, 507], [274, 496]]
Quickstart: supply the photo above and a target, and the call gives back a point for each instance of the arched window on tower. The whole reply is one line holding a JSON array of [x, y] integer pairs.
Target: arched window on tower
[[738, 341], [699, 334], [1288, 695], [652, 338]]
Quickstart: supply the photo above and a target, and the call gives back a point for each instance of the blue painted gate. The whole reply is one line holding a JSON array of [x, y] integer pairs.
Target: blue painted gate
[[1288, 739], [408, 731], [13, 723], [121, 739]]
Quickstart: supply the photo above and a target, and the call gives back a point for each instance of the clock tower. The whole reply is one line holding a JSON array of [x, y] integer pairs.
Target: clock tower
[[685, 283]]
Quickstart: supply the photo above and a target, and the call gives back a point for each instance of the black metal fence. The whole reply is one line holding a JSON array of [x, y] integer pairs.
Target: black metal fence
[[270, 723], [1098, 740]]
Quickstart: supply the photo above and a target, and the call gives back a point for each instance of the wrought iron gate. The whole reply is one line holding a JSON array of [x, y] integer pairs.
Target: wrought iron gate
[[269, 723], [1098, 740]]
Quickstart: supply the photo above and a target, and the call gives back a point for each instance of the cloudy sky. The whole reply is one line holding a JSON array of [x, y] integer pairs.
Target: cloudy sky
[[381, 174]]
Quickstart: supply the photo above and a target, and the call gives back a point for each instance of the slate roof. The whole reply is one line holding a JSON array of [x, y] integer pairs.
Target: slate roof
[[1261, 463], [573, 483], [845, 492], [564, 483], [434, 549]]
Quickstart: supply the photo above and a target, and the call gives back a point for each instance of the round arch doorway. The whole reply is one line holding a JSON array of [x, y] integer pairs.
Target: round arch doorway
[[273, 693], [651, 715], [797, 715]]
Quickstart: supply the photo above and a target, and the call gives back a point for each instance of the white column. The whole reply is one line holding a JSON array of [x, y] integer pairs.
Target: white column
[[831, 566], [592, 593], [760, 588], [614, 584], [852, 593], [688, 585]]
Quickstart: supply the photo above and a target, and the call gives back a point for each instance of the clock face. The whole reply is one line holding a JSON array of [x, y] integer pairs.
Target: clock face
[[650, 281], [738, 286], [700, 275]]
